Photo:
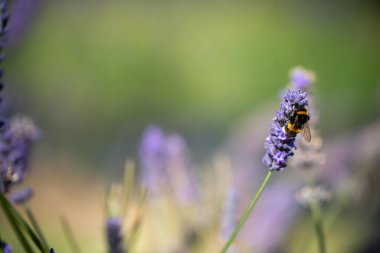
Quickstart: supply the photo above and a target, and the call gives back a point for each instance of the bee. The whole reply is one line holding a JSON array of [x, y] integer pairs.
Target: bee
[[299, 124]]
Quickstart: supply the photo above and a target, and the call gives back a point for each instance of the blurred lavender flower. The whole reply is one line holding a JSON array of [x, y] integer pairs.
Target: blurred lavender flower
[[309, 194], [279, 145], [21, 196], [51, 250], [180, 173], [4, 19], [114, 235], [6, 247], [229, 213], [301, 78], [164, 161], [273, 218], [23, 14], [352, 156], [15, 141], [153, 158], [309, 155]]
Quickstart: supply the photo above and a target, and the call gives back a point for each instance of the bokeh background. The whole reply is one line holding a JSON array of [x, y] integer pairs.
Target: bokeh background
[[94, 74]]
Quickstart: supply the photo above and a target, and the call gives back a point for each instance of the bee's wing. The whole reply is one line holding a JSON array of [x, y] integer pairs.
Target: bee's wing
[[306, 132]]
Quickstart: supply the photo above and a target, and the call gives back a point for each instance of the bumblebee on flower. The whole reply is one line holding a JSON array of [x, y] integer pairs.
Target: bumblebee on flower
[[290, 120]]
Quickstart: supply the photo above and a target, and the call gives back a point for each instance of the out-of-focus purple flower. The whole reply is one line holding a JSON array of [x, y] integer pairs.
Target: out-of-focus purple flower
[[21, 196], [4, 19], [180, 173], [114, 235], [301, 78], [6, 247], [153, 158], [273, 218], [279, 145], [15, 142], [229, 213], [309, 154], [51, 250], [165, 163], [308, 194], [23, 13], [349, 154]]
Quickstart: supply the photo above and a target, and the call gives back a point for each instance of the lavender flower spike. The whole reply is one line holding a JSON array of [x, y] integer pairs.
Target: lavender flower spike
[[114, 235], [279, 144], [16, 138], [301, 78], [229, 213], [153, 158], [4, 20]]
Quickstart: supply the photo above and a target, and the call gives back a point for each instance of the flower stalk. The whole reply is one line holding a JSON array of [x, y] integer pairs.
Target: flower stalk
[[247, 212], [316, 213]]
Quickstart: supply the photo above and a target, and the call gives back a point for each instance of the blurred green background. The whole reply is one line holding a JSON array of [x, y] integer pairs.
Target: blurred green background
[[93, 74]]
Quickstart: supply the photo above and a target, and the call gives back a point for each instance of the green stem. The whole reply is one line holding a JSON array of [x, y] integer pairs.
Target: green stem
[[247, 212], [74, 245], [318, 226], [36, 226]]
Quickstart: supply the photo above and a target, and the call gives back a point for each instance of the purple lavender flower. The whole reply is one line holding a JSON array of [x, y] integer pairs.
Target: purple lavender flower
[[153, 157], [51, 250], [6, 247], [21, 196], [279, 145], [181, 174], [229, 213], [273, 218], [4, 19], [301, 78], [23, 15], [114, 235], [15, 141]]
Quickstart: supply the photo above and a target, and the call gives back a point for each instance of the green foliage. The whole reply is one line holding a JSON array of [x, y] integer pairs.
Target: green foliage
[[23, 231], [194, 66]]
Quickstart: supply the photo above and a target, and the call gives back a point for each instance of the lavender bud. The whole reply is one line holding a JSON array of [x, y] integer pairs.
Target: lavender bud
[[114, 235], [6, 247], [309, 194], [153, 156], [21, 196], [4, 18], [51, 250], [22, 129], [182, 176], [301, 78], [309, 155], [279, 144], [15, 142], [229, 214]]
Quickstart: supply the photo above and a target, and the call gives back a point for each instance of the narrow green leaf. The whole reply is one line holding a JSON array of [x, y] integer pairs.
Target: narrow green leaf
[[36, 226], [9, 212], [129, 175], [69, 235], [32, 234], [25, 226]]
